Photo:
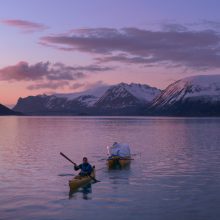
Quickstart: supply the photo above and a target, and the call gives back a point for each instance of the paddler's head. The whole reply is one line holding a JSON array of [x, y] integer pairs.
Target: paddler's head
[[85, 160]]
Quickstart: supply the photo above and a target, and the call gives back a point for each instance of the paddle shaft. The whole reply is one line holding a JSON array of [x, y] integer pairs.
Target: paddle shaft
[[94, 178], [68, 158]]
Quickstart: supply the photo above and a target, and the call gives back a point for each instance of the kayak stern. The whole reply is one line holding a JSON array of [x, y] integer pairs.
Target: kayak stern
[[116, 161]]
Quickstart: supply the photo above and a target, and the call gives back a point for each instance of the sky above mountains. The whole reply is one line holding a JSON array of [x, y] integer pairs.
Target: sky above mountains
[[58, 46]]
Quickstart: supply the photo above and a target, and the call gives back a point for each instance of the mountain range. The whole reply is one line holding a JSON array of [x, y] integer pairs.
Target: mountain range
[[120, 99], [191, 96]]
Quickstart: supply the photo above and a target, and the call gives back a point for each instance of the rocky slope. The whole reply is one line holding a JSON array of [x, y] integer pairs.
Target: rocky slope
[[6, 111], [191, 96]]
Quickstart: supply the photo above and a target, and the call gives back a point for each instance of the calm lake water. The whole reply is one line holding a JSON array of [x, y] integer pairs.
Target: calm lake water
[[175, 174]]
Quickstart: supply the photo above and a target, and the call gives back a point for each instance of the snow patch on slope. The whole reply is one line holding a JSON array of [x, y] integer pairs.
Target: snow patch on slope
[[204, 87], [142, 92]]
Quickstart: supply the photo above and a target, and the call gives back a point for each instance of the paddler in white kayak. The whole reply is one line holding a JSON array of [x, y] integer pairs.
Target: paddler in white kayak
[[85, 167]]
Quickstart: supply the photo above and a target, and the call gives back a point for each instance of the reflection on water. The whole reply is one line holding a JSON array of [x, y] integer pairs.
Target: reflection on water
[[85, 191], [175, 173]]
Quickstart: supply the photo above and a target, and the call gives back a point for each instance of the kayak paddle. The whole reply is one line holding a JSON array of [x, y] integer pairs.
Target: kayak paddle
[[68, 158]]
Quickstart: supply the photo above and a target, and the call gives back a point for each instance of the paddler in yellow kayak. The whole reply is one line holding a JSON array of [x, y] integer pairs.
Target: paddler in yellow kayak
[[85, 167]]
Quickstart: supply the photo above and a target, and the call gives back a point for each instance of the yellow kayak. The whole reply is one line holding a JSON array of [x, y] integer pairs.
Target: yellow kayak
[[79, 181], [116, 161]]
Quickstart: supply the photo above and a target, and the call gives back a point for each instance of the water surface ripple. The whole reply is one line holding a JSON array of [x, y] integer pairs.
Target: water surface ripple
[[175, 173]]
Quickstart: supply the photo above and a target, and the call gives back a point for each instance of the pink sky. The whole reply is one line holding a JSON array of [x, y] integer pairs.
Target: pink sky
[[100, 42]]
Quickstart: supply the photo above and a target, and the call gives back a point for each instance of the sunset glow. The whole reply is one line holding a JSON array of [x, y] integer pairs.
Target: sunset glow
[[69, 47]]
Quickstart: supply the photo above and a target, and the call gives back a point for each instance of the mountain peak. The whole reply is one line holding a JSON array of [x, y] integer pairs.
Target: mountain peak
[[135, 93], [195, 95], [195, 86], [143, 92]]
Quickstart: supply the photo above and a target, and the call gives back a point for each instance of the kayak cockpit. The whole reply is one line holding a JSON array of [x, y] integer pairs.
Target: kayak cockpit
[[80, 181]]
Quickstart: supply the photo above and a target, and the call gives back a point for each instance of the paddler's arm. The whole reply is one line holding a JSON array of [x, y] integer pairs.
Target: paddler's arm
[[77, 167]]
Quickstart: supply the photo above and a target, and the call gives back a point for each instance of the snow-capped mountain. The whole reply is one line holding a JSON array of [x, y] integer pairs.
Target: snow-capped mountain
[[191, 96], [196, 95], [127, 95], [98, 101]]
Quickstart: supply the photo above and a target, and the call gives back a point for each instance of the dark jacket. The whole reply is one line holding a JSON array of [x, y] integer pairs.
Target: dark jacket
[[86, 169]]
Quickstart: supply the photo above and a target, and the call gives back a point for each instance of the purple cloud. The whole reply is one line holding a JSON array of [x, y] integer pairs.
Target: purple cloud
[[173, 46], [46, 74], [26, 26], [39, 71], [125, 58], [88, 68], [46, 70]]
